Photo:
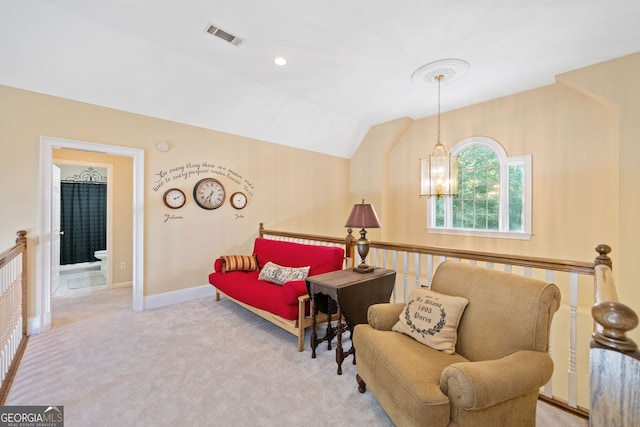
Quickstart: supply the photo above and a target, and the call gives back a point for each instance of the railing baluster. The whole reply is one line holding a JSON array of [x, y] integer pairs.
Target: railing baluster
[[405, 269], [549, 278], [573, 339], [429, 270]]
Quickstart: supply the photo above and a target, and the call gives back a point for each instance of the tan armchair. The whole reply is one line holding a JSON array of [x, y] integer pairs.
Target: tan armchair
[[500, 362]]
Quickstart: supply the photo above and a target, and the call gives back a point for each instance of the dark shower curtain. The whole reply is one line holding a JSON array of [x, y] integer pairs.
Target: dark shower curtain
[[83, 218]]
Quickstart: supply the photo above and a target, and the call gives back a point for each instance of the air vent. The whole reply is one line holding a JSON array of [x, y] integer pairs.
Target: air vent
[[224, 35]]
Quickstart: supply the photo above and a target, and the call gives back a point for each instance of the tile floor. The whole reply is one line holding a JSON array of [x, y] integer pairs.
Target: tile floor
[[80, 278]]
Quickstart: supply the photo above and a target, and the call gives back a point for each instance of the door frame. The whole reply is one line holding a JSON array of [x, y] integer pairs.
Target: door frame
[[41, 322]]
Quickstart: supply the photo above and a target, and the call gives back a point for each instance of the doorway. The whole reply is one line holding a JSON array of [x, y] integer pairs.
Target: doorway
[[41, 322], [85, 221]]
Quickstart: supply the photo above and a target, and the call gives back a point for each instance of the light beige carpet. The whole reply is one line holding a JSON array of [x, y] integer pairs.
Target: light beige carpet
[[200, 363]]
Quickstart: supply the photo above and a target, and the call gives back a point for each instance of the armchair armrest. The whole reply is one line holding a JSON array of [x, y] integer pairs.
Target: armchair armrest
[[478, 385], [384, 316]]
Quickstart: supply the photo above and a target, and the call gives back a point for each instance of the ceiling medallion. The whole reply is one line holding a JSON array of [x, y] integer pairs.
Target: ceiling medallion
[[450, 69]]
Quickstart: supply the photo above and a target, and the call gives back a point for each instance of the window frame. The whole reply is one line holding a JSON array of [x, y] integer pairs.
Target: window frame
[[503, 222]]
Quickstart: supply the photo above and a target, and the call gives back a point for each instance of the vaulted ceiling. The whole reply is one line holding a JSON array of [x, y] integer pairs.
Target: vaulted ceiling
[[349, 61]]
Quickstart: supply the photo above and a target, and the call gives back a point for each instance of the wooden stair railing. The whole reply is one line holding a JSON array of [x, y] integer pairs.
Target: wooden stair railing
[[13, 311], [614, 358]]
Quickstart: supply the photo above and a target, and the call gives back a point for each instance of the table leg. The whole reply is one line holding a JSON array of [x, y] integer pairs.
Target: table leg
[[330, 333], [314, 335], [339, 351]]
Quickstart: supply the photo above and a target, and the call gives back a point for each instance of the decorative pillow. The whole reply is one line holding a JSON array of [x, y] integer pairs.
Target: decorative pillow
[[280, 275], [432, 318], [239, 263]]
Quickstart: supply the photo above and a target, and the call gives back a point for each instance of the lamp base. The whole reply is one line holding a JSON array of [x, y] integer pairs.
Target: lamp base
[[363, 268]]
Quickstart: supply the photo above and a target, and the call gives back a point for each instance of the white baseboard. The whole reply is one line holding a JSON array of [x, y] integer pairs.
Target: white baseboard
[[121, 285], [175, 297], [38, 324], [34, 325]]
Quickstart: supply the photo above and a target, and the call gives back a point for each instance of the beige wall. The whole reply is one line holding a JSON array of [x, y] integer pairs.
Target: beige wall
[[121, 211], [616, 83], [288, 189]]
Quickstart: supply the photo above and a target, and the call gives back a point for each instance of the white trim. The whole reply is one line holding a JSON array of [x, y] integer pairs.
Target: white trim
[[480, 233], [121, 285], [494, 145], [41, 321], [176, 297]]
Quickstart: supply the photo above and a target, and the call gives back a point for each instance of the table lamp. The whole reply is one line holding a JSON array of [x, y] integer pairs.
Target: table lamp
[[363, 216]]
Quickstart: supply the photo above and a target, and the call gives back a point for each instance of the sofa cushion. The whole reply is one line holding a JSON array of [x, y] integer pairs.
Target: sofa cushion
[[245, 286], [321, 259], [432, 318], [274, 273], [292, 290], [239, 263]]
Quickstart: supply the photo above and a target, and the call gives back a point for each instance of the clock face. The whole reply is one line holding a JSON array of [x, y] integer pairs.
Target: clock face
[[174, 198], [238, 200], [209, 193]]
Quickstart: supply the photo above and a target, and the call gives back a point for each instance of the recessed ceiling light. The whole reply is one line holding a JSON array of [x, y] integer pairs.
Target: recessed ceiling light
[[280, 61]]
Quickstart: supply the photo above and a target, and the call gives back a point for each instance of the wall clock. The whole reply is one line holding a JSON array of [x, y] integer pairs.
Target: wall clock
[[238, 200], [174, 198], [209, 193]]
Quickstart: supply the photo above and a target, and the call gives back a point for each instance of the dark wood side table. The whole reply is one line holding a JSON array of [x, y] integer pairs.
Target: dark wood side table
[[354, 293]]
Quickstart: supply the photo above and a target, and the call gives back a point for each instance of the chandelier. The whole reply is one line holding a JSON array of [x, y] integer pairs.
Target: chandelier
[[439, 171]]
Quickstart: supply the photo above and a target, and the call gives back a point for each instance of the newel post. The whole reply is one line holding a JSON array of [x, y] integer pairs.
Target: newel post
[[614, 318], [603, 255], [349, 247]]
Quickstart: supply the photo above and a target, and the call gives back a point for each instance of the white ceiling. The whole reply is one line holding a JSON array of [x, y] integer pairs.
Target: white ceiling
[[349, 61]]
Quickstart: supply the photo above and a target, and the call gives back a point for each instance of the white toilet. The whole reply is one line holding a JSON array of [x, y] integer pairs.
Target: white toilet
[[102, 256]]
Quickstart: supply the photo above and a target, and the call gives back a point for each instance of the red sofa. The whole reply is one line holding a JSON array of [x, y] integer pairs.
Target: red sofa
[[285, 305]]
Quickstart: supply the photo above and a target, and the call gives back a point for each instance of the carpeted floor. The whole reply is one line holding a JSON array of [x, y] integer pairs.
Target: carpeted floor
[[200, 363]]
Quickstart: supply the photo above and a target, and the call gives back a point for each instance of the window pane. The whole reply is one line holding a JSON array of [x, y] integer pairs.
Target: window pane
[[481, 222], [468, 221], [440, 212], [516, 197], [481, 207], [492, 222]]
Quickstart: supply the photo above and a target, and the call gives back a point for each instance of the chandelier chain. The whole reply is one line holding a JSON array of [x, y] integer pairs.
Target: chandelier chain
[[439, 78]]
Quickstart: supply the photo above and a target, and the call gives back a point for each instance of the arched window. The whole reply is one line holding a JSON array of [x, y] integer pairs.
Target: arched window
[[494, 194]]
